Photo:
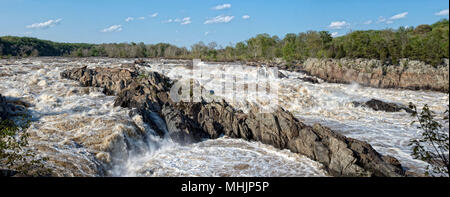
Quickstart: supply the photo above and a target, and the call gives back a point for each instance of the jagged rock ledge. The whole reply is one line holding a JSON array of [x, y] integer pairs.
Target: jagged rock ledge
[[409, 74], [192, 122]]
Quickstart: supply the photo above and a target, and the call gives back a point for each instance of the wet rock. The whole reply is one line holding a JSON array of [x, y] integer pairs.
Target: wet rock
[[114, 80], [188, 122], [281, 75], [139, 61], [3, 108], [11, 107], [181, 128], [309, 79], [378, 105]]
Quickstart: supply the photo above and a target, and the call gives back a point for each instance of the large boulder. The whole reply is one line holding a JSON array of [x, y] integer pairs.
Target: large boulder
[[189, 122], [379, 105], [3, 108]]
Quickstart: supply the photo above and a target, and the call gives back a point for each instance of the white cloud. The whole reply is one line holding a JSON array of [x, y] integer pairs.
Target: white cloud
[[183, 21], [338, 24], [46, 24], [399, 16], [219, 19], [186, 21], [334, 34], [114, 28], [221, 7], [129, 19], [154, 15], [442, 13], [391, 20], [245, 17], [168, 21], [368, 22]]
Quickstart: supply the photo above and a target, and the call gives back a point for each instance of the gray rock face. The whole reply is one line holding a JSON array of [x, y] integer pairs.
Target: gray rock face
[[410, 74], [193, 122], [310, 80], [378, 105]]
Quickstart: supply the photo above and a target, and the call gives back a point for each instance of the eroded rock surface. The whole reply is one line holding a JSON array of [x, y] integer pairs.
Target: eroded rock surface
[[410, 74], [192, 122]]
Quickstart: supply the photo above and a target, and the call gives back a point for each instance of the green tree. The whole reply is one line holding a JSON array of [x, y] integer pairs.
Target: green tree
[[433, 145]]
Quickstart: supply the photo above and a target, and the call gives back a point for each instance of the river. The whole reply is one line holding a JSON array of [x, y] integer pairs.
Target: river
[[83, 134]]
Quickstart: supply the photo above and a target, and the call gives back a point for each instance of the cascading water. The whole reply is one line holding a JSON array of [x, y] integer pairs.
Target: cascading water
[[83, 134]]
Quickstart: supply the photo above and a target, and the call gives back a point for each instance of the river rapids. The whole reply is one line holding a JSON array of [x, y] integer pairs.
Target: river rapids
[[83, 134]]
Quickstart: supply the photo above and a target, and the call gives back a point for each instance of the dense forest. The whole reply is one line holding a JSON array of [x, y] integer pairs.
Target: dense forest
[[429, 43]]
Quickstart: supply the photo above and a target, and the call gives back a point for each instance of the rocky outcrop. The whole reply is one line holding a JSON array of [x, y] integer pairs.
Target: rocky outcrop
[[409, 74], [11, 107], [309, 79], [4, 108], [378, 105], [187, 122]]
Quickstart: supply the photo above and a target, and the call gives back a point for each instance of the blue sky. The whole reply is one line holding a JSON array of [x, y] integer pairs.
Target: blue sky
[[185, 22]]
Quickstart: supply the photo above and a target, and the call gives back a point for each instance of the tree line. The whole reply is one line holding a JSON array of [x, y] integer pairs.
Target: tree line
[[428, 43]]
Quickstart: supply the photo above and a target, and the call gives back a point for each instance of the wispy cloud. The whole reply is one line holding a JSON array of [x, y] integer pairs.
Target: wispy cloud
[[47, 24], [381, 19], [114, 28], [129, 19], [221, 7], [183, 21], [245, 17], [338, 25], [368, 22], [219, 19], [399, 16], [391, 19], [442, 13], [186, 21]]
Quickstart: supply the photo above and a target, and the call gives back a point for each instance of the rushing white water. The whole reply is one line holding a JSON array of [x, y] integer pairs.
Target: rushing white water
[[84, 135], [328, 104]]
